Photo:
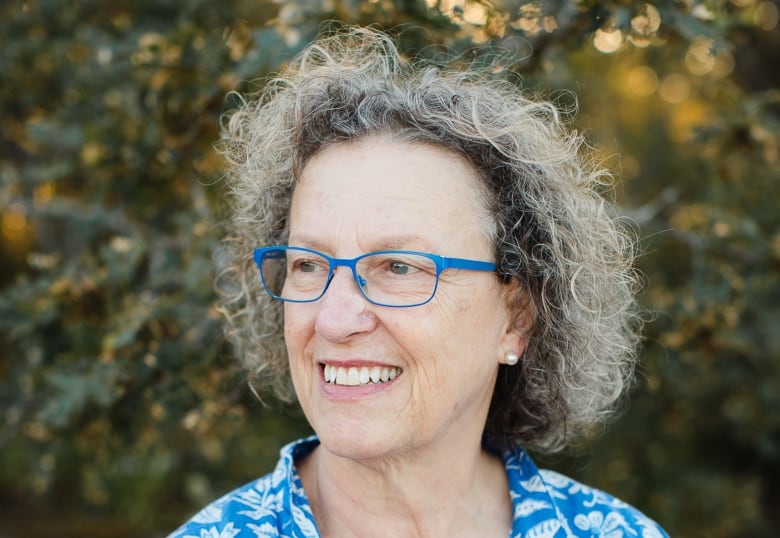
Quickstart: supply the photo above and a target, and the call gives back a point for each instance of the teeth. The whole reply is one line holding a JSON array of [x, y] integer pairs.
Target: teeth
[[376, 374], [341, 378], [354, 376]]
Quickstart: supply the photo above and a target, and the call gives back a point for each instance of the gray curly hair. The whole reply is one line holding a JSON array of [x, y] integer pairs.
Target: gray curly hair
[[552, 229]]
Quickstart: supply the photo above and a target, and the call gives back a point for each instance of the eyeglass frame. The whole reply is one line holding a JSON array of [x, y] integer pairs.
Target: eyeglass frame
[[442, 264]]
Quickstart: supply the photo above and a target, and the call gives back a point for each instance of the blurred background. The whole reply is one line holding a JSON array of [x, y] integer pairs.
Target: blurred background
[[122, 409]]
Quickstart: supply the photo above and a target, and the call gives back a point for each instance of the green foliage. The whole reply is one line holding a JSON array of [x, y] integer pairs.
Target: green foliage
[[121, 403]]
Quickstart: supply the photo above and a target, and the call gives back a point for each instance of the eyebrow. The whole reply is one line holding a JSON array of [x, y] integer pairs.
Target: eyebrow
[[405, 241], [409, 241]]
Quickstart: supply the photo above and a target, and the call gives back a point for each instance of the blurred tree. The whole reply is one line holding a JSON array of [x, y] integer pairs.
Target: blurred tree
[[122, 409]]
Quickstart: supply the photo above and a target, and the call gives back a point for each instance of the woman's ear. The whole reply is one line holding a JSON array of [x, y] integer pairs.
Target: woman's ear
[[519, 319]]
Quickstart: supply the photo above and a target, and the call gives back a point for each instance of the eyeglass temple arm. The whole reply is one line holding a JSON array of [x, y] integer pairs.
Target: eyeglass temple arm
[[471, 265], [271, 254]]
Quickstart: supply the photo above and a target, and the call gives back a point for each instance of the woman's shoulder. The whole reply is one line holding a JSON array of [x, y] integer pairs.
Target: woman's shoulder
[[271, 506], [547, 503], [255, 506], [592, 511]]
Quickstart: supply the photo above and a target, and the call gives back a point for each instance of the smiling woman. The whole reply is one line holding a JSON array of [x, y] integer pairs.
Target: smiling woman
[[424, 255]]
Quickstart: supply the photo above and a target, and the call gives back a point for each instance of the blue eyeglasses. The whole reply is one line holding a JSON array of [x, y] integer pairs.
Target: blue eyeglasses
[[396, 278]]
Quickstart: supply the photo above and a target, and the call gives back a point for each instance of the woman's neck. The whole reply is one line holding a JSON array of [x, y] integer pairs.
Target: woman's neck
[[452, 491]]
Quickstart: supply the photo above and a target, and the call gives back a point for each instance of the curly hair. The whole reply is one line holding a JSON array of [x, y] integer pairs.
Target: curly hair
[[552, 229]]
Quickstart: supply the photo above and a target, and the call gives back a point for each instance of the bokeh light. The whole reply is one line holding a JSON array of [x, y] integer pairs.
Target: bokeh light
[[674, 88], [700, 58], [474, 13], [766, 16], [647, 22], [607, 41], [641, 81], [14, 222]]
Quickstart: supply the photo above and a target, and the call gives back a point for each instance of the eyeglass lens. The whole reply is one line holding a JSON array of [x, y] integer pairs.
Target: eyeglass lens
[[387, 278]]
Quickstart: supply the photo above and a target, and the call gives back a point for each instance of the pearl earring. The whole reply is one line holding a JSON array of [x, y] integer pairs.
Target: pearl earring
[[511, 358]]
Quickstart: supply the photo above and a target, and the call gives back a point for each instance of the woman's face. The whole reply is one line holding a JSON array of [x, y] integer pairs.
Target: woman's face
[[376, 194]]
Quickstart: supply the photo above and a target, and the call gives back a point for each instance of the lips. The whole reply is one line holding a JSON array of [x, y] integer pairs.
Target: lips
[[355, 376]]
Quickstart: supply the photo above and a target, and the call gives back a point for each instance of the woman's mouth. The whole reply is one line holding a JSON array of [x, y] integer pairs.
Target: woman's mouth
[[354, 376]]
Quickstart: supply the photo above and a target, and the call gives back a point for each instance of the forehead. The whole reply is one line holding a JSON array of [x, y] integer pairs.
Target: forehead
[[377, 188]]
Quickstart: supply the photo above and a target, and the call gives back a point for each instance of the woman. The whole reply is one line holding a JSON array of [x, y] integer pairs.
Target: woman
[[424, 255]]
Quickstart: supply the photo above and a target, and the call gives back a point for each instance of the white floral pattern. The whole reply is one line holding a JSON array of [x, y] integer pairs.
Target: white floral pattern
[[546, 505]]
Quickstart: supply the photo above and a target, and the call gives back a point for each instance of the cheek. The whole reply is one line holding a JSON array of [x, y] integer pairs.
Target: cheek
[[462, 318], [295, 331], [296, 339], [470, 326]]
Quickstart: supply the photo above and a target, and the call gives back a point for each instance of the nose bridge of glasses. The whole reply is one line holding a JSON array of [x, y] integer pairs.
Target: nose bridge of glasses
[[351, 264]]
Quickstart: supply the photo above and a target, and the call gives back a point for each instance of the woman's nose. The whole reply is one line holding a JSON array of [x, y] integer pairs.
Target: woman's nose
[[342, 310]]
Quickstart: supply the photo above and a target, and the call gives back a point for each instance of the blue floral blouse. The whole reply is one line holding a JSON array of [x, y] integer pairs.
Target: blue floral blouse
[[546, 505]]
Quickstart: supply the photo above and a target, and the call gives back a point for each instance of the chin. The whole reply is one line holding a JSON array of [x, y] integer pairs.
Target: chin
[[356, 442]]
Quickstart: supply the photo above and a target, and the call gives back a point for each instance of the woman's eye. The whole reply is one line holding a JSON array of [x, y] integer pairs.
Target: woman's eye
[[307, 267], [400, 268], [303, 266]]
